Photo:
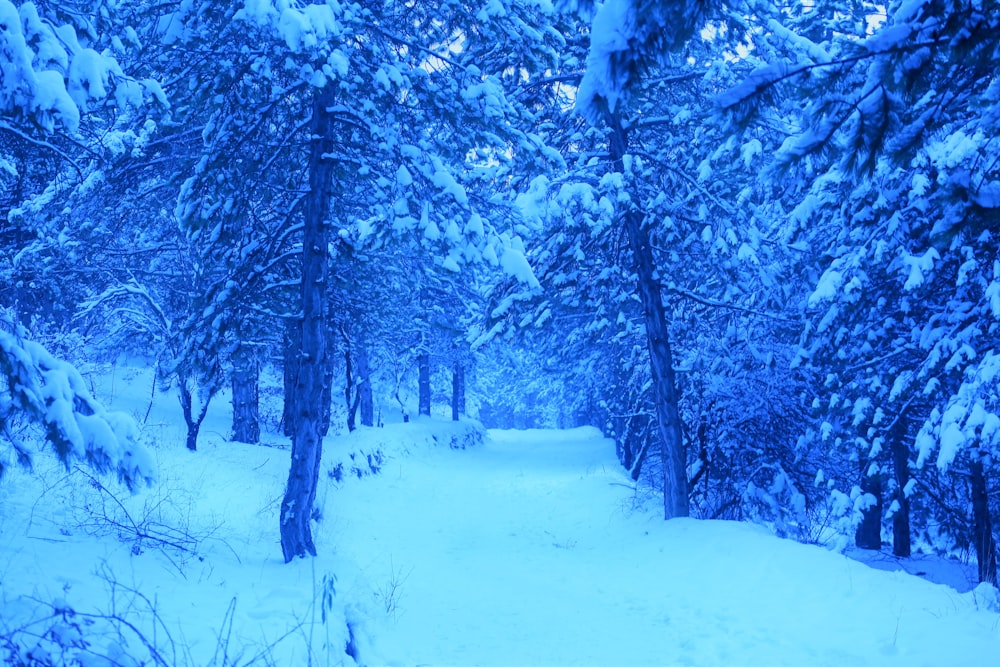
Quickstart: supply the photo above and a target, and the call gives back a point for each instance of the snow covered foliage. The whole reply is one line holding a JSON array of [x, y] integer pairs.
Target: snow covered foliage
[[426, 97], [627, 37], [56, 66], [38, 388], [47, 75], [888, 143]]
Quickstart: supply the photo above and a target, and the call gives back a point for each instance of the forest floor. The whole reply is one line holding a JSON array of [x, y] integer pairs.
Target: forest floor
[[532, 548]]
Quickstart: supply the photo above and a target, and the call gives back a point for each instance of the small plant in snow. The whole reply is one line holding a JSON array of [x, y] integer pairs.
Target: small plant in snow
[[160, 523], [390, 593]]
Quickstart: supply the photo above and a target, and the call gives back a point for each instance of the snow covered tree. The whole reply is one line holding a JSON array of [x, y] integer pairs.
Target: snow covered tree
[[902, 208], [66, 113]]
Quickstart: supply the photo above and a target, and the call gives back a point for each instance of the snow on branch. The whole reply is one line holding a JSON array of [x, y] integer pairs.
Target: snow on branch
[[49, 78], [52, 393], [971, 417], [626, 38]]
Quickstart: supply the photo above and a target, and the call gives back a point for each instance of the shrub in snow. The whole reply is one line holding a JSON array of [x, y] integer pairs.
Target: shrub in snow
[[369, 448]]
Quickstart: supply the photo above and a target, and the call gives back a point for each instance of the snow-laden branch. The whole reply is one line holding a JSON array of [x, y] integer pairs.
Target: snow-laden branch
[[125, 290], [52, 393], [7, 127]]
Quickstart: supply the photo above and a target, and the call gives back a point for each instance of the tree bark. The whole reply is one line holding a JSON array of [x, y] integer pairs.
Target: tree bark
[[349, 401], [458, 392], [869, 532], [192, 421], [307, 442], [982, 529], [424, 384], [901, 538], [675, 484], [292, 348], [366, 401], [327, 390], [246, 396]]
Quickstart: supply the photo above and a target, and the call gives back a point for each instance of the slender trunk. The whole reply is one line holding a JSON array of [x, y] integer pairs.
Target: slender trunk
[[192, 420], [307, 442], [351, 406], [366, 402], [675, 484], [246, 396], [635, 470], [982, 529], [458, 392], [327, 391], [901, 539], [292, 348], [424, 384], [704, 459], [869, 532]]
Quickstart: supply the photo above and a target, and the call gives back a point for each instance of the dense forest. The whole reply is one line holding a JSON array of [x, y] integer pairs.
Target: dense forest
[[756, 243]]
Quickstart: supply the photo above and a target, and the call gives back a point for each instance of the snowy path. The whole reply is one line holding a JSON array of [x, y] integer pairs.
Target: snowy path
[[526, 552]]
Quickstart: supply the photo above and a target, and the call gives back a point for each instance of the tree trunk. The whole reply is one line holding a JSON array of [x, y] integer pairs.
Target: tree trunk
[[869, 532], [246, 396], [327, 391], [982, 529], [349, 401], [641, 441], [675, 485], [458, 392], [901, 539], [192, 421], [366, 403], [424, 384], [307, 442], [292, 348]]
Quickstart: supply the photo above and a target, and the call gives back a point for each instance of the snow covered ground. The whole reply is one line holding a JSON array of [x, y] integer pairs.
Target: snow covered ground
[[530, 549]]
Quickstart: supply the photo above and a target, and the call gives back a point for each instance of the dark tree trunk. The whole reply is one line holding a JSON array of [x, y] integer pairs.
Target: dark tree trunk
[[192, 420], [327, 392], [901, 538], [366, 402], [642, 442], [982, 529], [458, 392], [349, 401], [632, 446], [704, 458], [675, 484], [292, 349], [869, 532], [424, 384], [246, 396], [307, 441]]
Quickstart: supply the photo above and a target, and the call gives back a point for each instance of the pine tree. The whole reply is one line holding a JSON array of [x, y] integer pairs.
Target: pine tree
[[902, 178], [67, 114]]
